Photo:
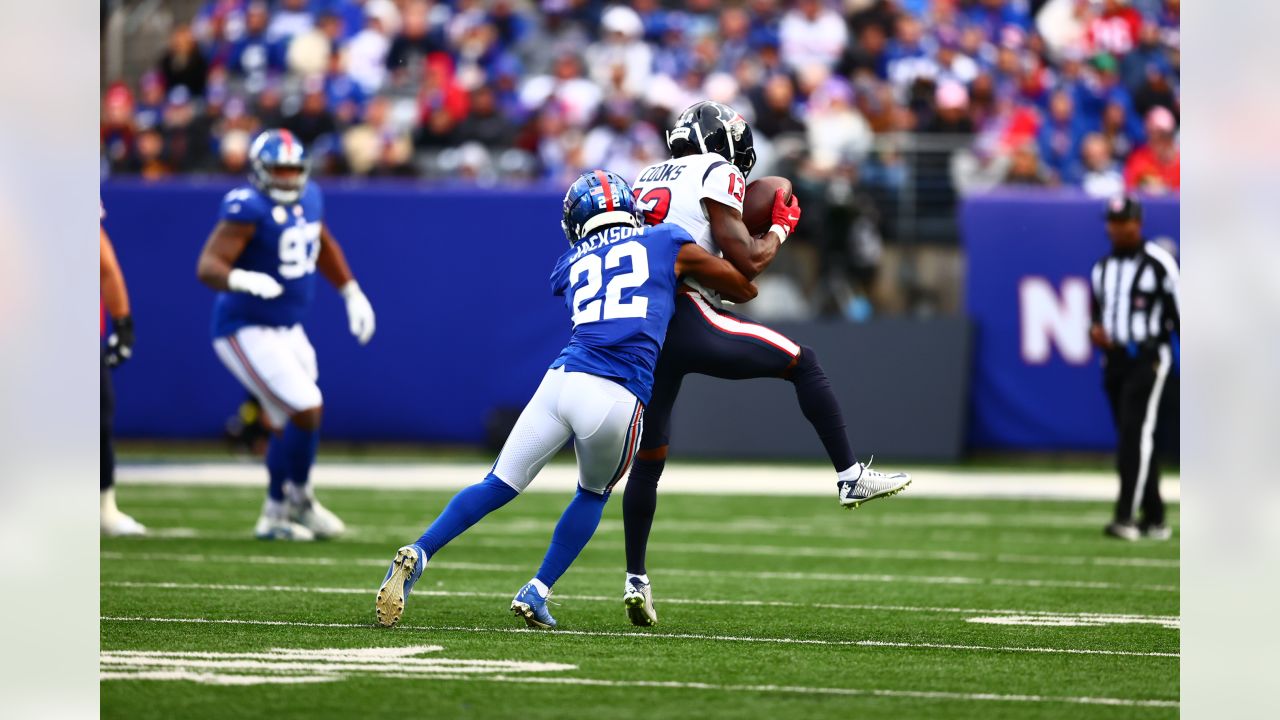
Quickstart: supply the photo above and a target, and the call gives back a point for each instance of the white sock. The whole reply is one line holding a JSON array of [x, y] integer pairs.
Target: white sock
[[109, 501], [274, 509], [851, 474], [541, 587], [643, 578]]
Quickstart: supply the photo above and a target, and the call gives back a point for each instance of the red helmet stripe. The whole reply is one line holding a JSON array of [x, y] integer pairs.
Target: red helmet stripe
[[604, 186], [287, 138]]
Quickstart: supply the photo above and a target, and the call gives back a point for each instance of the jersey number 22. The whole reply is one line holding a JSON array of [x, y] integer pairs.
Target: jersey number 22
[[588, 306]]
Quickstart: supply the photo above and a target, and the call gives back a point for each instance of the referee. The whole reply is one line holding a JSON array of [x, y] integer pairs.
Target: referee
[[1135, 311]]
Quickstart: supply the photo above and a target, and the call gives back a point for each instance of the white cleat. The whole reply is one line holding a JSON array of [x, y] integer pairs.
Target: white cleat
[[274, 524], [117, 524], [304, 509], [870, 485], [1122, 531], [638, 599]]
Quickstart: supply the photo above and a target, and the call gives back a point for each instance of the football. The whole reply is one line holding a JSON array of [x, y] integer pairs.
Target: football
[[757, 206]]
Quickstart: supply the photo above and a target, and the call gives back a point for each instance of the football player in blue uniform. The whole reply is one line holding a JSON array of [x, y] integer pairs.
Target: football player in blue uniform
[[618, 280], [262, 259]]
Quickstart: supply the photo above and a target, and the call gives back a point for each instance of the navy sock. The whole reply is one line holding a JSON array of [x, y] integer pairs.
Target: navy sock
[[822, 410], [639, 502], [300, 446], [573, 532], [277, 467], [464, 510]]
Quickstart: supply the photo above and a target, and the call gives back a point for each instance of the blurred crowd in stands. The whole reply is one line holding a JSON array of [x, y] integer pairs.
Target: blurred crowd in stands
[[873, 107]]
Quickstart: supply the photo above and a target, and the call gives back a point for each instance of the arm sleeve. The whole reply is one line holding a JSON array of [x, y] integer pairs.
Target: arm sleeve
[[559, 278], [242, 206], [1173, 296], [723, 182], [1095, 308], [1169, 285]]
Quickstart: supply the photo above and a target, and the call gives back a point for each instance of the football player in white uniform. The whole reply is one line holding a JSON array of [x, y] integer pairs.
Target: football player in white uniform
[[701, 189]]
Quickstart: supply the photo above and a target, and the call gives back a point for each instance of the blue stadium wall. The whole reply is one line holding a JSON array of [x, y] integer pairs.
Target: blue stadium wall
[[1037, 384], [467, 326], [458, 279]]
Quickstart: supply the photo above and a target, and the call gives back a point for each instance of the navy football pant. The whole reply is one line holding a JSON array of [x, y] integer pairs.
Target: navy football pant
[[707, 340]]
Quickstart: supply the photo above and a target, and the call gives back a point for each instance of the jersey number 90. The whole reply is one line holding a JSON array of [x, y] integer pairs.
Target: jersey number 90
[[299, 248], [588, 306]]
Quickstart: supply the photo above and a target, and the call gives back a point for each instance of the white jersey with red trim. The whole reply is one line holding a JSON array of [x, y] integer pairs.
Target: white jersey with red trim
[[673, 191]]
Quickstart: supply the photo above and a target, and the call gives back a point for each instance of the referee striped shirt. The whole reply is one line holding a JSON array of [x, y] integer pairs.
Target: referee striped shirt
[[1135, 296]]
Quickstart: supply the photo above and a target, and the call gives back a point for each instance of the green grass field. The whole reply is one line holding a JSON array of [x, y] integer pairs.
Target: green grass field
[[770, 606]]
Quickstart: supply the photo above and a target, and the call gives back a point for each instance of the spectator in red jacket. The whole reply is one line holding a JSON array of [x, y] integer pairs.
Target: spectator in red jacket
[[1156, 166]]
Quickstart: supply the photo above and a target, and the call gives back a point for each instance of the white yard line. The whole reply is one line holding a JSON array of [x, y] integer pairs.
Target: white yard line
[[821, 577], [726, 479], [765, 550], [1171, 620], [792, 689], [663, 636]]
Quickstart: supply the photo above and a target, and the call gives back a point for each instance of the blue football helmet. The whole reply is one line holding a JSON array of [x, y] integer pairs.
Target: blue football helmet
[[279, 165], [596, 199]]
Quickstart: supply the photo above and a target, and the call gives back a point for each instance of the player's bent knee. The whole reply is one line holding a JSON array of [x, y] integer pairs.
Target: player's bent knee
[[805, 363], [658, 453], [308, 419]]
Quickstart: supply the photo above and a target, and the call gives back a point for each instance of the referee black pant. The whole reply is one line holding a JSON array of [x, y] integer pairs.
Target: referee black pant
[[1134, 382], [108, 476]]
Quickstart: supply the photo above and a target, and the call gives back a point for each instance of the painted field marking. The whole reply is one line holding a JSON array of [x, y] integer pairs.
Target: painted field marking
[[792, 689], [487, 537], [363, 534], [1051, 618], [1068, 620], [717, 479], [299, 665], [662, 636], [821, 577], [292, 666], [765, 550]]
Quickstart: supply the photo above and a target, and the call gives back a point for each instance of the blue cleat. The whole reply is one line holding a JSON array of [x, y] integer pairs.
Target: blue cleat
[[531, 606], [396, 586]]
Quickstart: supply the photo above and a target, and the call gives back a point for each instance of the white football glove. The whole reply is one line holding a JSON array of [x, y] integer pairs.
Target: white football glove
[[359, 312], [254, 283]]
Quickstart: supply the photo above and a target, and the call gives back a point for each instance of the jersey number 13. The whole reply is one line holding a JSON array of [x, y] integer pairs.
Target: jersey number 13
[[588, 306]]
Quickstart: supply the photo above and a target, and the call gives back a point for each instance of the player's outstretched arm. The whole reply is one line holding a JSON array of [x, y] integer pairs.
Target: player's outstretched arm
[[714, 273], [217, 265], [332, 263]]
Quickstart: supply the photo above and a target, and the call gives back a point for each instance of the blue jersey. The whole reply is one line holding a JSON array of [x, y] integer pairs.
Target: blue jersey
[[619, 285], [285, 245]]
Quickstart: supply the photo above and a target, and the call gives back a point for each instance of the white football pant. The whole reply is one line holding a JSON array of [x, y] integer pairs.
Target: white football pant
[[277, 365], [603, 418]]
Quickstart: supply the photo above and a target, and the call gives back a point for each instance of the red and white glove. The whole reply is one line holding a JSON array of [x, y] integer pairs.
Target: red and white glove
[[785, 215]]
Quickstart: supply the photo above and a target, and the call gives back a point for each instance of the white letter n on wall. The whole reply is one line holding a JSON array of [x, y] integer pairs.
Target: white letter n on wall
[[1048, 321]]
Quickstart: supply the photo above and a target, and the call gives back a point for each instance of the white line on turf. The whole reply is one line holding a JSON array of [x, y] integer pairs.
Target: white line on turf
[[1171, 621], [659, 636], [291, 666], [721, 478], [763, 550], [792, 689], [820, 577]]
